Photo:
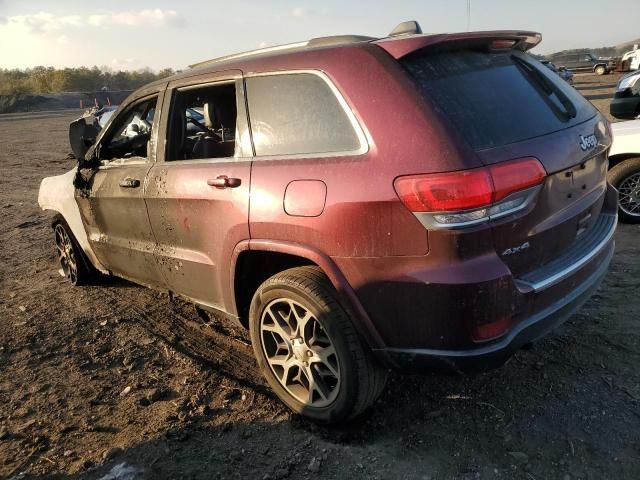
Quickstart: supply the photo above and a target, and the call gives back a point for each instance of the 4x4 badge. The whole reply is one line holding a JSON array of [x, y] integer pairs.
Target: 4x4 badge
[[518, 249], [588, 142]]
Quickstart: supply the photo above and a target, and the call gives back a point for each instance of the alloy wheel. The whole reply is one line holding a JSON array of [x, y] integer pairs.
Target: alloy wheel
[[300, 353], [629, 195], [66, 254]]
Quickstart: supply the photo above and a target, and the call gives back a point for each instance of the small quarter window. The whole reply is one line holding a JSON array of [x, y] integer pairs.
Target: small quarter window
[[203, 123], [297, 114]]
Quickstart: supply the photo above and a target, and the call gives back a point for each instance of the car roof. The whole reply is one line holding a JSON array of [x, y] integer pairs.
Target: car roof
[[407, 38]]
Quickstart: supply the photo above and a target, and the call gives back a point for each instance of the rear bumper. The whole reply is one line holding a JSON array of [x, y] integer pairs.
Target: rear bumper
[[625, 107], [428, 318], [497, 353]]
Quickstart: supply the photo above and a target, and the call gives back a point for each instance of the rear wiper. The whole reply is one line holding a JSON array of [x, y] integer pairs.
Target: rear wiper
[[547, 85]]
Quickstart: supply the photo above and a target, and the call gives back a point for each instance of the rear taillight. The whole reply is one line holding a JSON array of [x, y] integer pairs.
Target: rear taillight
[[467, 197], [516, 175]]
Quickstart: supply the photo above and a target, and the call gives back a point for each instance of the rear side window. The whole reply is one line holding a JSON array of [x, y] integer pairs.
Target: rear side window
[[297, 114], [495, 99]]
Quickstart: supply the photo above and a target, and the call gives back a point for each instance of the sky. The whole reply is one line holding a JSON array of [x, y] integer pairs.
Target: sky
[[157, 34]]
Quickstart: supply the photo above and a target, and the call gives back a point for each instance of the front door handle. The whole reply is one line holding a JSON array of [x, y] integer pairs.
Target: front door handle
[[130, 183], [223, 181]]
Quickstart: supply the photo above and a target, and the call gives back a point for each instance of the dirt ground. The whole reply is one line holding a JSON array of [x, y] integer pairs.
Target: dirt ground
[[114, 381]]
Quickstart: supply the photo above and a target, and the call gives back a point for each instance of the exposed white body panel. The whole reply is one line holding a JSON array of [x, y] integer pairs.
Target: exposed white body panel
[[626, 138], [57, 194]]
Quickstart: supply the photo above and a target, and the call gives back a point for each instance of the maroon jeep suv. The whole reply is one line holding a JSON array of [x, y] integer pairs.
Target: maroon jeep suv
[[359, 204]]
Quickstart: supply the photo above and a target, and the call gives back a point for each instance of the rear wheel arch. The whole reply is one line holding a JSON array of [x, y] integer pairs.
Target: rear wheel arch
[[619, 158], [255, 261], [624, 177], [252, 268]]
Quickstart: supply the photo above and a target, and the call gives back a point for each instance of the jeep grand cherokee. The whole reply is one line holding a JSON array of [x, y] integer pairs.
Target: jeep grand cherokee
[[359, 204]]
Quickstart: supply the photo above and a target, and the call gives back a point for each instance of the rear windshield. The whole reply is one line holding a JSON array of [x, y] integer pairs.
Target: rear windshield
[[494, 99]]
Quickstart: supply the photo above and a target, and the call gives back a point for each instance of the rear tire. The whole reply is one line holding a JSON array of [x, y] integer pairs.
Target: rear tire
[[309, 350], [74, 265], [600, 70], [625, 177]]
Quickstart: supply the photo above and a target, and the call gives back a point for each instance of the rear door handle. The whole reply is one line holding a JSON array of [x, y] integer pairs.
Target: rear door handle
[[130, 183], [222, 181]]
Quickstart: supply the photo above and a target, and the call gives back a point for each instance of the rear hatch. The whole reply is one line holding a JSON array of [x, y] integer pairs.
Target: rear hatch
[[506, 105]]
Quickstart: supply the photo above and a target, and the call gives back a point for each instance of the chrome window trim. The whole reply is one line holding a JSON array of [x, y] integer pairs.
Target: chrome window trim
[[239, 150], [212, 83], [199, 161], [364, 139], [124, 162]]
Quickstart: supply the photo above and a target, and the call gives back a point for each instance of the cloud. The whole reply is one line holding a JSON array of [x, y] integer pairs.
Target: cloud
[[62, 40], [3, 20], [155, 18], [297, 12], [300, 12], [46, 22]]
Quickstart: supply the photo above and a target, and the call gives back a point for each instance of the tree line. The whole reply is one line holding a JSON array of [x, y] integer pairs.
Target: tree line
[[82, 79]]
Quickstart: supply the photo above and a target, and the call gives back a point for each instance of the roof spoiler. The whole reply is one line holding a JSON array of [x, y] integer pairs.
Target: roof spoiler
[[501, 39]]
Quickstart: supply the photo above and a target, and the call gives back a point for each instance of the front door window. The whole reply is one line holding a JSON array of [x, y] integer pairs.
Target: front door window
[[131, 132]]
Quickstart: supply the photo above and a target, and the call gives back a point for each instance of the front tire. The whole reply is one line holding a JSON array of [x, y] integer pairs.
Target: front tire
[[600, 70], [309, 350], [73, 263], [625, 177]]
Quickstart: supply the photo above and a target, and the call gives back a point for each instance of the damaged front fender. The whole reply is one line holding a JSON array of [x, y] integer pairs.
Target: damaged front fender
[[58, 195]]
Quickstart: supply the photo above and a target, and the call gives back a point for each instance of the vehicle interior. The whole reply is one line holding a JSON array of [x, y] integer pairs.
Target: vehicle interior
[[203, 123], [131, 135]]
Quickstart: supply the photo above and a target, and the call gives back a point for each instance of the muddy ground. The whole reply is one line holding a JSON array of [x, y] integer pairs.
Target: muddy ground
[[115, 381]]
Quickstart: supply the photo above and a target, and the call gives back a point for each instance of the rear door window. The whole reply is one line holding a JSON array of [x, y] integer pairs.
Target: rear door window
[[203, 121], [495, 99], [298, 114]]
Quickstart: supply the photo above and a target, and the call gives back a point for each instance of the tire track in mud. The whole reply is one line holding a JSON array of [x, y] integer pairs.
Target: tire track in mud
[[214, 345]]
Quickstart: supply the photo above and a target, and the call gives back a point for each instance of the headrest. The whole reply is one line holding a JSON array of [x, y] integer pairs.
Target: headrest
[[209, 115]]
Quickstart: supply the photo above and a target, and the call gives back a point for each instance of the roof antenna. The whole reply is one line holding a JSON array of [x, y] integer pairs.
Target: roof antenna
[[406, 28], [468, 15]]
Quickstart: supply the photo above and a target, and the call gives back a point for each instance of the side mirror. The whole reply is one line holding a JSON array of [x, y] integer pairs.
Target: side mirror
[[81, 136]]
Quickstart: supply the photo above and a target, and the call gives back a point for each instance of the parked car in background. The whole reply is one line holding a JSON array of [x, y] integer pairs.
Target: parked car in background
[[488, 221], [582, 62], [624, 168], [565, 74], [626, 101], [632, 58]]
